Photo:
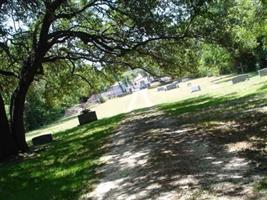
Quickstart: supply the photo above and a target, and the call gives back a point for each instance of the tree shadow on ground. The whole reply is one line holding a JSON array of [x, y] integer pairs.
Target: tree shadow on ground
[[206, 148], [61, 170], [228, 78], [223, 79]]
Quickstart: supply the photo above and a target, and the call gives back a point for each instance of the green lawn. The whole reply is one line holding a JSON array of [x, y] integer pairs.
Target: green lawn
[[244, 111], [211, 86], [61, 170], [66, 168]]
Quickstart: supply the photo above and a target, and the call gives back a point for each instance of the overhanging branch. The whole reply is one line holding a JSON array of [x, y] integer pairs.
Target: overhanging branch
[[8, 73]]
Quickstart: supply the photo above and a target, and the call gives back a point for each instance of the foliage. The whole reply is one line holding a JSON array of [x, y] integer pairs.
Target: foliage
[[214, 61], [38, 113], [62, 41], [36, 35], [66, 168], [236, 26]]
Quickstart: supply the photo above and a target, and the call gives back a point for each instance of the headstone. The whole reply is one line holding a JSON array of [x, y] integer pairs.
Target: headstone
[[42, 139], [160, 89], [176, 82], [87, 117], [171, 86], [195, 88], [263, 72], [240, 78]]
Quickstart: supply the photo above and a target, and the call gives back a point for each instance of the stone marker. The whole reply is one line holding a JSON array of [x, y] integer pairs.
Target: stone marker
[[176, 82], [195, 88], [171, 86], [240, 78], [263, 72], [42, 139], [87, 117], [160, 89]]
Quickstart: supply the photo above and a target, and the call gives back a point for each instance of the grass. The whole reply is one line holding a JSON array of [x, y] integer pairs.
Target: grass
[[64, 169], [59, 126], [245, 109], [211, 86]]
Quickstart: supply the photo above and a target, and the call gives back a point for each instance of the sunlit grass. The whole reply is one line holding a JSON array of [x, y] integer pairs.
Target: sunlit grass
[[211, 86], [63, 169]]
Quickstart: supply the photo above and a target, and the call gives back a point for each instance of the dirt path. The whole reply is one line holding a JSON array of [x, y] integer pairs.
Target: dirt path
[[139, 99], [154, 157]]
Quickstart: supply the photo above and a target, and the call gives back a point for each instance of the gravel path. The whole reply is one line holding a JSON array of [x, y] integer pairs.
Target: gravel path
[[154, 157]]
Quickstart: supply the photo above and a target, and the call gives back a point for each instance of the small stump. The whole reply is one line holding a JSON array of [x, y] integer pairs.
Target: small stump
[[42, 139], [195, 88], [87, 117]]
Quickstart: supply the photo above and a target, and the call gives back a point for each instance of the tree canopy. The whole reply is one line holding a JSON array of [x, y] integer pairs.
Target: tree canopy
[[54, 46]]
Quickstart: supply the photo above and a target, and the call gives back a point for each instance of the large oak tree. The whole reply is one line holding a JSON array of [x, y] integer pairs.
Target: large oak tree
[[35, 33]]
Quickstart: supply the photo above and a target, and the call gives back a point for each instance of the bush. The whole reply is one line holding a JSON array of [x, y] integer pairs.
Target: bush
[[214, 61], [38, 114]]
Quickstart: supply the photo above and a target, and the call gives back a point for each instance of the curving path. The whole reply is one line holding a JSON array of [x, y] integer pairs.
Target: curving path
[[154, 157]]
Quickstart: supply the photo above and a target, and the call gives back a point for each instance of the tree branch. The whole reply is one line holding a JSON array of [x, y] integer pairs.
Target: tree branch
[[8, 73], [73, 14]]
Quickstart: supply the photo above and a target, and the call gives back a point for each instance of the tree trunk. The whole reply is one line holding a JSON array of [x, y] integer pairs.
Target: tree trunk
[[7, 144], [17, 116], [18, 104]]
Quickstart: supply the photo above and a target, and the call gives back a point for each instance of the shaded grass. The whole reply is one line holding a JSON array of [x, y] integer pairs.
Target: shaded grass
[[212, 114], [120, 105], [63, 169], [234, 100]]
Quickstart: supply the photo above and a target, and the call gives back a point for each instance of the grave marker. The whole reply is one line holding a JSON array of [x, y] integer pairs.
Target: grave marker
[[87, 117], [195, 88], [160, 89], [42, 139], [263, 72], [171, 86], [240, 78]]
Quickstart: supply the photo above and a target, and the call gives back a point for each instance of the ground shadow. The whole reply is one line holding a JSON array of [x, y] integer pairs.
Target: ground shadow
[[223, 79], [205, 149]]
